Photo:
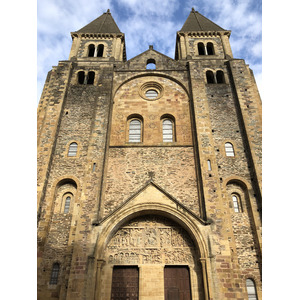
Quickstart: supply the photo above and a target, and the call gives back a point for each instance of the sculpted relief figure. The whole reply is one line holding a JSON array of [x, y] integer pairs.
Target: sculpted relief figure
[[150, 240]]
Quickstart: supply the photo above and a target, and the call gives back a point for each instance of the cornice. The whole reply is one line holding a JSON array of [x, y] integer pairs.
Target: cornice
[[97, 35], [204, 33]]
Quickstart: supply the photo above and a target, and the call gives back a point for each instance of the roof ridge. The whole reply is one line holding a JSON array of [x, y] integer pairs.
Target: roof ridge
[[194, 11]]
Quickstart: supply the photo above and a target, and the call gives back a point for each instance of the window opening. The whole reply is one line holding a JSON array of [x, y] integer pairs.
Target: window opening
[[135, 131], [54, 273], [151, 64], [90, 78], [210, 77], [81, 77], [151, 94], [251, 290], [94, 167], [100, 50], [201, 49], [72, 149], [235, 201], [91, 50], [167, 131], [229, 149], [210, 49], [209, 165], [220, 77], [67, 205]]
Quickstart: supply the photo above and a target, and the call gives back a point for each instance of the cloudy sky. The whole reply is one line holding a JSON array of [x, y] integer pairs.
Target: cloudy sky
[[146, 22]]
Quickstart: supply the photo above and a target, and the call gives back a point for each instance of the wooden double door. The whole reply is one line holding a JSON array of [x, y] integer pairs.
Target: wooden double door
[[125, 283]]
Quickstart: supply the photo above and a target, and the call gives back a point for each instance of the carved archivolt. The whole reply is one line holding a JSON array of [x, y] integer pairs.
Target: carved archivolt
[[151, 240]]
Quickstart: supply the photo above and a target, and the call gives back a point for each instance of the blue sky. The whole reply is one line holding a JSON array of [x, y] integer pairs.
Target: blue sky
[[147, 22]]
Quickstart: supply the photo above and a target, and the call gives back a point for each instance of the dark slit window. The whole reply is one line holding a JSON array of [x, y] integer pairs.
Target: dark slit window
[[91, 77], [210, 77], [100, 50], [177, 283], [81, 77], [201, 50], [210, 49], [220, 77], [125, 283], [91, 50]]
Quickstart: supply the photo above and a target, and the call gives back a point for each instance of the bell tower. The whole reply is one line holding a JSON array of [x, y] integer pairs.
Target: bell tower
[[100, 39], [200, 38]]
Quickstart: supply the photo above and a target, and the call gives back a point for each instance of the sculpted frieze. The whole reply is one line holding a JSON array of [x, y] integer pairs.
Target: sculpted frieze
[[150, 240]]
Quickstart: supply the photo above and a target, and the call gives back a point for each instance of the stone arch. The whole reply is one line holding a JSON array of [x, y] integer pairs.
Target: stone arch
[[187, 248], [243, 223], [110, 227], [154, 75]]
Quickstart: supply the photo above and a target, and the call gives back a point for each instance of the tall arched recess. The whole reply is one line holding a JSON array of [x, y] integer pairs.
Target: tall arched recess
[[152, 96], [153, 245]]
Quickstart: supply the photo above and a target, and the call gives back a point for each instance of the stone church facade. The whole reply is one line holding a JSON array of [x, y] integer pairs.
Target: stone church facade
[[149, 170]]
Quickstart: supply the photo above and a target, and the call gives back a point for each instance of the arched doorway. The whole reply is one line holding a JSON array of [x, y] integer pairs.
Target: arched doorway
[[151, 256]]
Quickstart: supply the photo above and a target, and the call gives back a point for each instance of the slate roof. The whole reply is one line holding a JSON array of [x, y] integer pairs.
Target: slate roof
[[197, 22], [103, 24]]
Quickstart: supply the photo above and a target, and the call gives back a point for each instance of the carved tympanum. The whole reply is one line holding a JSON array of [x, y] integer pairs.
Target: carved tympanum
[[150, 240]]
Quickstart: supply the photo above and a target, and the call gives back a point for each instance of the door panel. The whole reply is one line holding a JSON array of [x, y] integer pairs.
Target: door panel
[[177, 283], [125, 283]]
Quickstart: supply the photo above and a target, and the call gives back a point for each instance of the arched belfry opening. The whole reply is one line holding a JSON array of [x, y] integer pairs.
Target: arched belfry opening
[[150, 251]]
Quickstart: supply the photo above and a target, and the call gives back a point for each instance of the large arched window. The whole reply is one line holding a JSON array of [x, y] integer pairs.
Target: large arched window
[[72, 149], [135, 131], [168, 130], [251, 290], [229, 149], [54, 273]]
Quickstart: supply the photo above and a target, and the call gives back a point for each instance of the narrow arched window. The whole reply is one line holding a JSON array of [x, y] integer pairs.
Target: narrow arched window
[[81, 77], [208, 165], [210, 49], [168, 130], [251, 290], [67, 204], [229, 149], [91, 52], [91, 77], [220, 77], [151, 64], [236, 203], [201, 49], [100, 50], [135, 131], [54, 273], [72, 149], [210, 77]]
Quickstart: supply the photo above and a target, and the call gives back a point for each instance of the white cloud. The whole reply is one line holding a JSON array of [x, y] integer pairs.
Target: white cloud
[[144, 22]]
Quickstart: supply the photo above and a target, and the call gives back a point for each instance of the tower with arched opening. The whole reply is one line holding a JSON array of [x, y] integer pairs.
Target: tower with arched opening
[[149, 170]]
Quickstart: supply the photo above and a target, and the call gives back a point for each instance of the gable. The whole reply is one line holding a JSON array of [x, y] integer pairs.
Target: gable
[[160, 60]]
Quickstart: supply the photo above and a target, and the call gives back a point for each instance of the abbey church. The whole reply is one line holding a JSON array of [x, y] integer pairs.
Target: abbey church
[[149, 170]]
